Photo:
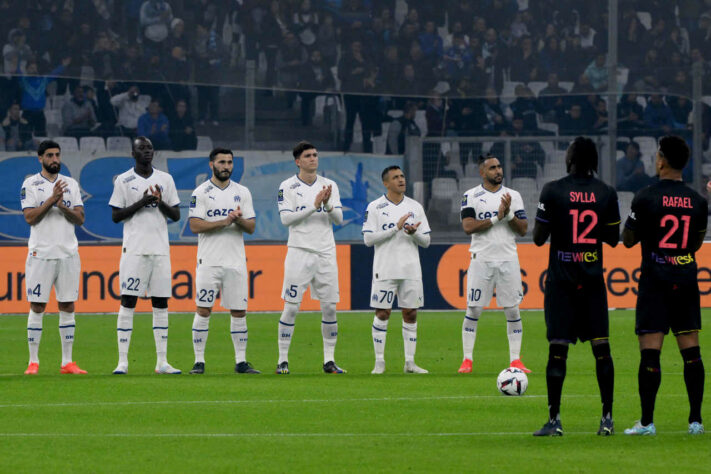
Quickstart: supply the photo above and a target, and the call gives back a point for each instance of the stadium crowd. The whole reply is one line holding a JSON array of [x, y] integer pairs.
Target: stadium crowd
[[485, 65]]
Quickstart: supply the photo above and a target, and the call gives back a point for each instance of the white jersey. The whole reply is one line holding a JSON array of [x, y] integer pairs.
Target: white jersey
[[396, 258], [314, 233], [497, 243], [223, 247], [53, 236], [145, 232]]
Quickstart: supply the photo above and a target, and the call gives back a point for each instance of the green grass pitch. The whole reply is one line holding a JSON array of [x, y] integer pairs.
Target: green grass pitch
[[312, 422]]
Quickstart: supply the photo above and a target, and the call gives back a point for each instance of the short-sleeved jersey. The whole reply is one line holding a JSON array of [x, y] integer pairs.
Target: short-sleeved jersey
[[145, 232], [668, 217], [53, 236], [223, 247], [314, 233], [577, 209], [398, 257], [497, 243]]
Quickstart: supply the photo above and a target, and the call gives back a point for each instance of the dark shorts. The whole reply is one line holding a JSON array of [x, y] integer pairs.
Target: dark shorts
[[576, 310], [664, 305]]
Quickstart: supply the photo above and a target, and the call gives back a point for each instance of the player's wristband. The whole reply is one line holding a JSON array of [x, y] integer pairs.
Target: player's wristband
[[494, 220], [510, 216], [327, 209]]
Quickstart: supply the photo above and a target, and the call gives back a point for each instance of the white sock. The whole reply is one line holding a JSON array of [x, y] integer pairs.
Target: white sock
[[329, 331], [239, 333], [380, 332], [124, 328], [34, 334], [471, 319], [66, 335], [200, 326], [286, 329], [160, 334], [514, 330], [409, 337]]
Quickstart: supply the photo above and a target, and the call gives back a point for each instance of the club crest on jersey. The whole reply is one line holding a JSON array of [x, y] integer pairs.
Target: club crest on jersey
[[280, 195], [193, 202], [238, 198], [23, 193]]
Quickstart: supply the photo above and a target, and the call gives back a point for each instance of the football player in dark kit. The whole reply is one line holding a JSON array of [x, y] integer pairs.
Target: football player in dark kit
[[579, 212], [669, 218]]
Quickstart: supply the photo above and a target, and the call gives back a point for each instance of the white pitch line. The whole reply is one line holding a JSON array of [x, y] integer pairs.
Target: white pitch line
[[287, 435], [282, 401]]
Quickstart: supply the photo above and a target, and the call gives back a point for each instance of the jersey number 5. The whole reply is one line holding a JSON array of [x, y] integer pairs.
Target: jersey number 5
[[580, 217], [670, 218]]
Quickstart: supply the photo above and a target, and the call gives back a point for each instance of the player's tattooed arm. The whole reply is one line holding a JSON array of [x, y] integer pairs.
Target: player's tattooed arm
[[35, 214]]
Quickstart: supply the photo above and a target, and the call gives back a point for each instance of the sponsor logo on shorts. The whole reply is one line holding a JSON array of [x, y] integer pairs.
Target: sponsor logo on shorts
[[374, 298], [578, 257], [673, 260]]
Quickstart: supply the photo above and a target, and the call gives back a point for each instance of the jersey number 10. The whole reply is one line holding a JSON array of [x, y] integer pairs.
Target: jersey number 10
[[581, 217]]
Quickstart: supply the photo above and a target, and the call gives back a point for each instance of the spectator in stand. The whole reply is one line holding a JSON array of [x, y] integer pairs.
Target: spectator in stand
[[306, 23], [552, 99], [551, 57], [208, 55], [495, 56], [273, 27], [499, 13], [646, 77], [681, 108], [431, 42], [466, 117], [16, 49], [574, 60], [78, 115], [498, 114], [587, 38], [352, 71], [182, 128], [105, 57], [630, 116], [630, 173], [401, 128], [131, 106], [600, 124], [526, 107], [658, 116], [34, 95], [155, 19], [574, 123], [315, 79], [17, 130], [327, 41], [524, 62], [177, 37], [458, 59], [390, 68], [596, 72], [289, 63], [434, 114], [701, 37], [155, 126]]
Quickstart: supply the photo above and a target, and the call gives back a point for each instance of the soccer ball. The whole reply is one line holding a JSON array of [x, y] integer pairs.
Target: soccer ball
[[512, 381]]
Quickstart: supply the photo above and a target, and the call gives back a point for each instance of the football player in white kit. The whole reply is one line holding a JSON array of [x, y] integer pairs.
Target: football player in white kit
[[52, 206], [396, 225], [221, 211], [143, 198], [309, 205], [493, 215]]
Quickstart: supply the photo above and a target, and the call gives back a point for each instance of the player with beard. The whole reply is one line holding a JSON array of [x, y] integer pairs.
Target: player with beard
[[221, 211], [142, 199], [493, 215], [52, 206]]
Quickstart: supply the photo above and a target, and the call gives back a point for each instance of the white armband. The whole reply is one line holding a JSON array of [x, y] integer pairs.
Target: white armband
[[494, 220]]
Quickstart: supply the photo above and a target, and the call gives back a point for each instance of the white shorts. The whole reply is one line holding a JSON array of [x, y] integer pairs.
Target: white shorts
[[483, 277], [230, 282], [145, 275], [41, 274], [303, 269], [409, 294]]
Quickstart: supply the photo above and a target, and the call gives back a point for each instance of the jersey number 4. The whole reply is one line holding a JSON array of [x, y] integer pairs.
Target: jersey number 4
[[674, 221], [581, 218]]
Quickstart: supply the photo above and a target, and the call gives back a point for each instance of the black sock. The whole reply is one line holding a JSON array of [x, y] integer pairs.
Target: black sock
[[605, 376], [555, 375], [650, 377], [694, 378]]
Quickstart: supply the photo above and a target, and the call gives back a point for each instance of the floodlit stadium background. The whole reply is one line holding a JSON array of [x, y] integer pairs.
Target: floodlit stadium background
[[514, 78]]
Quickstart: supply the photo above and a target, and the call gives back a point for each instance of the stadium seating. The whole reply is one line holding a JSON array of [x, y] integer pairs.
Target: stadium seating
[[537, 86], [67, 144], [92, 144], [508, 92], [204, 143], [119, 144], [625, 200]]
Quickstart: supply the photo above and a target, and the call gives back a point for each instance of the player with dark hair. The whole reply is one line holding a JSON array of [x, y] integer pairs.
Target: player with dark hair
[[52, 206], [309, 205], [493, 215], [396, 225], [221, 211], [143, 198], [669, 219], [579, 212]]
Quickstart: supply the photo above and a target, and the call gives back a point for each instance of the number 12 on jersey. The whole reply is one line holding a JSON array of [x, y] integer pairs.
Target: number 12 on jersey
[[581, 218]]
